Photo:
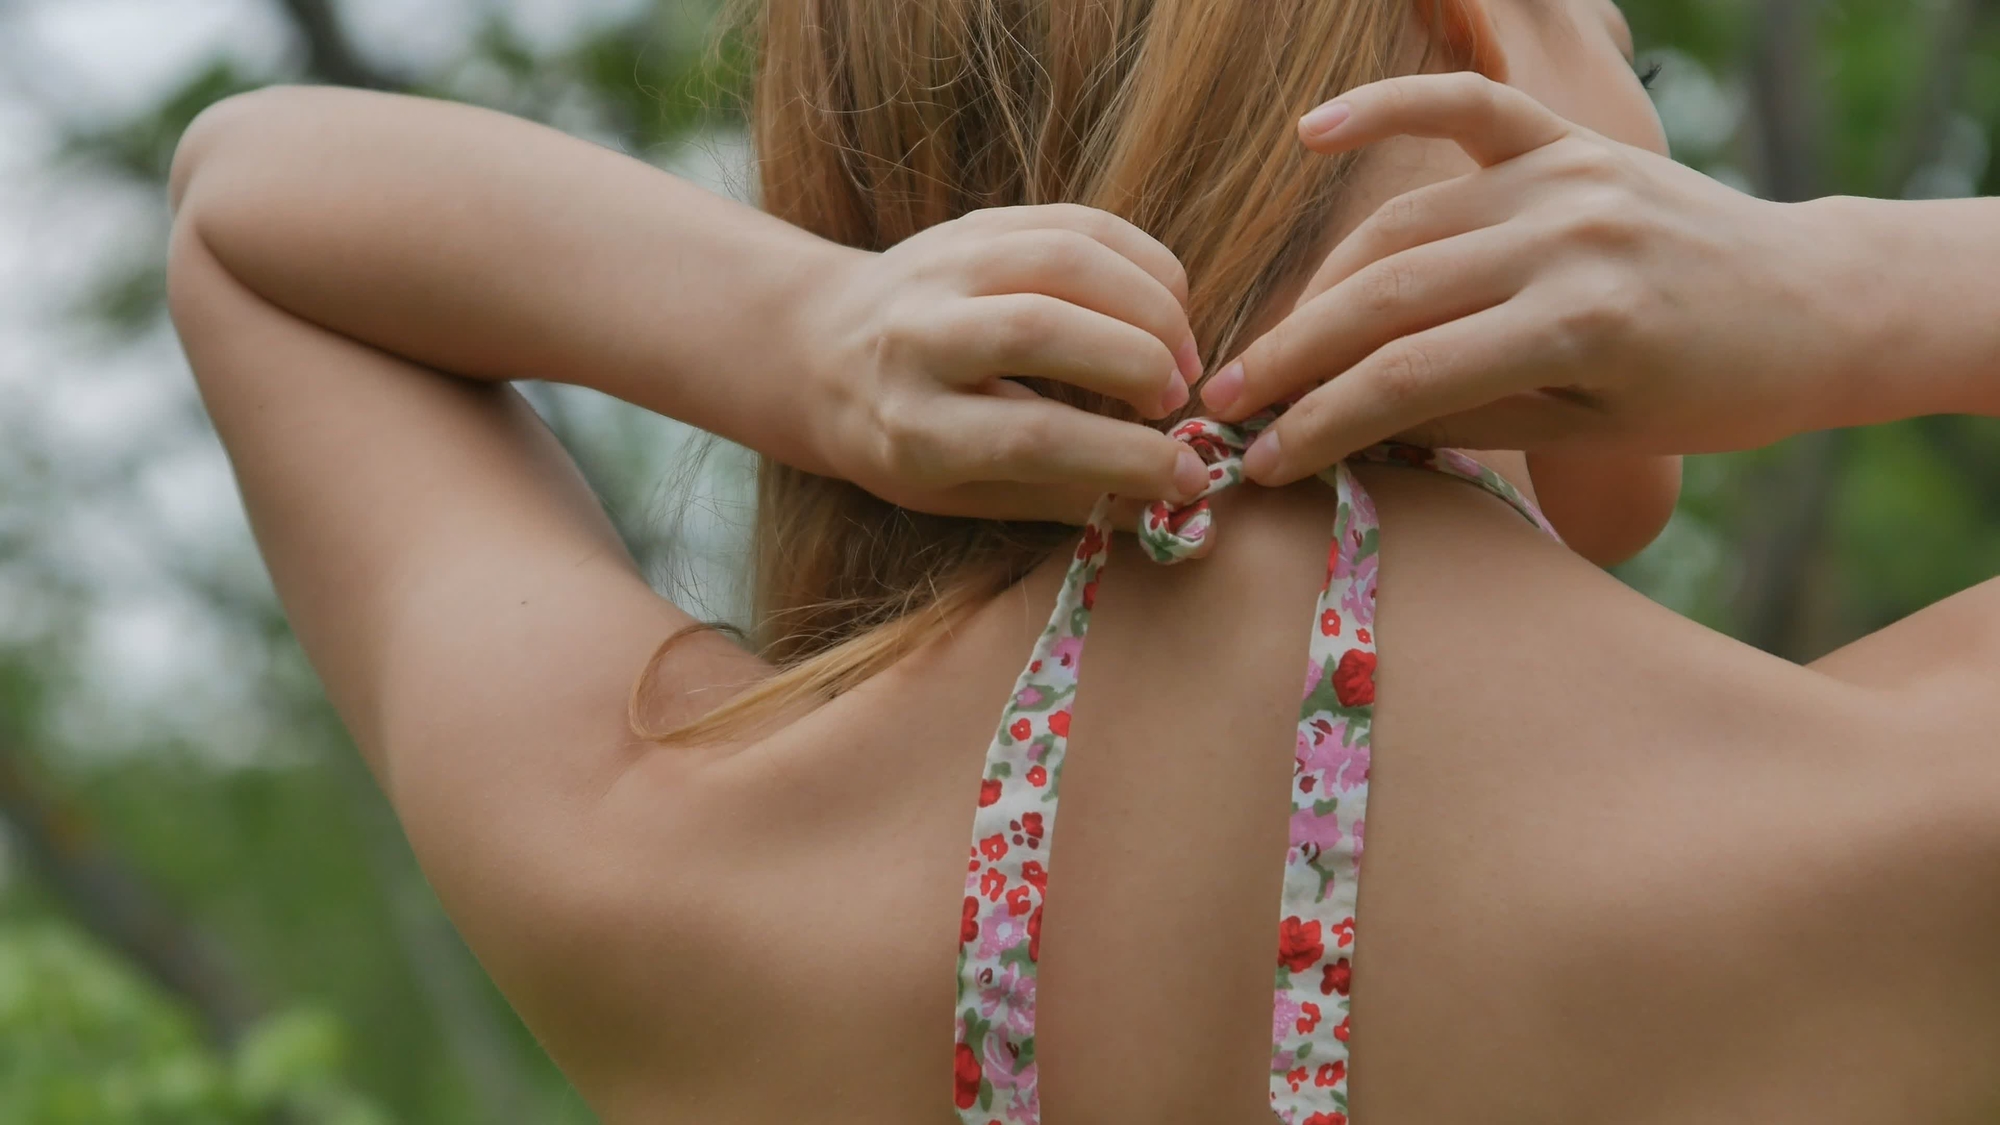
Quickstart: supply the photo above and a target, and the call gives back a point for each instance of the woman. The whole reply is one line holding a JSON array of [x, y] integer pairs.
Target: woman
[[1619, 868]]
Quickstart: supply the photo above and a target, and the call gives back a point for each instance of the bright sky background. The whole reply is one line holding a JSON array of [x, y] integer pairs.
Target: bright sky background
[[106, 468]]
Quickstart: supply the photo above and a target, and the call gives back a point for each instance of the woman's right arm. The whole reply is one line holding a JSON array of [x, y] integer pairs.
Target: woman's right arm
[[355, 277], [495, 249]]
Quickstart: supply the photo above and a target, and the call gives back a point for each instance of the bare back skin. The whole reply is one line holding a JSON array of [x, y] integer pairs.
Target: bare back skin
[[1619, 868]]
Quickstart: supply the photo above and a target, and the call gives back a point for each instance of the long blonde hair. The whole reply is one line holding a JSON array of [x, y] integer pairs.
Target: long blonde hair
[[874, 119]]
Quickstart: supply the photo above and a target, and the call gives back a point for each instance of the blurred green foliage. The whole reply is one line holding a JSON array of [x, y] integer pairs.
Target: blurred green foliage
[[324, 986]]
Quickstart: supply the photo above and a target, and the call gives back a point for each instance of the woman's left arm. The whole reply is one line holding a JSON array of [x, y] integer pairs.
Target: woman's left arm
[[1646, 308]]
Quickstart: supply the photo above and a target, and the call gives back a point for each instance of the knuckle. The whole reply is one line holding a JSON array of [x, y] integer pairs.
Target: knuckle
[[1385, 286], [1088, 221], [1477, 93], [1583, 330], [1405, 372], [1589, 162], [1024, 324], [901, 445], [1399, 216], [1025, 442], [1602, 219], [896, 341], [1047, 254]]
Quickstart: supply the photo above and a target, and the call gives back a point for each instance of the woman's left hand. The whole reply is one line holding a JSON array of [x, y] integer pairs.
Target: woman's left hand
[[1572, 293]]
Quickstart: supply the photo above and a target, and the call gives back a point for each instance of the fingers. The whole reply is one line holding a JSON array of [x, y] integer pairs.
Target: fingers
[[1395, 297], [1430, 213], [986, 438], [1034, 334], [1490, 121], [1073, 267], [1142, 249], [1452, 369]]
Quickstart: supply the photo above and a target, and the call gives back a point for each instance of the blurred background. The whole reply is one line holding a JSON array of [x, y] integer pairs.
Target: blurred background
[[206, 912]]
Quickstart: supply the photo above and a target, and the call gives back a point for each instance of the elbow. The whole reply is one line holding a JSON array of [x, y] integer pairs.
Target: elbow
[[226, 127]]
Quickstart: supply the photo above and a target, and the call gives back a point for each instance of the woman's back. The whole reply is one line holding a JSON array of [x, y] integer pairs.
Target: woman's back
[[1571, 905]]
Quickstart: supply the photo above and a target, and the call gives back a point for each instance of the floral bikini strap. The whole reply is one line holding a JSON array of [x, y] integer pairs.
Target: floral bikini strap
[[1007, 868], [1170, 535]]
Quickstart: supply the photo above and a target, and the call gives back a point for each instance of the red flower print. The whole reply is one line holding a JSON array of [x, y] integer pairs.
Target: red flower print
[[1021, 730], [992, 883], [1035, 667], [1093, 542], [1017, 901], [1299, 944], [989, 791], [1362, 636], [1059, 723], [1334, 1118], [1031, 823], [1038, 876], [993, 847], [1296, 1078], [1343, 932], [1308, 1018], [1330, 1074], [968, 920], [1354, 678], [966, 1076], [1035, 935], [1339, 976], [1329, 623], [1037, 776], [1090, 594], [1341, 1033]]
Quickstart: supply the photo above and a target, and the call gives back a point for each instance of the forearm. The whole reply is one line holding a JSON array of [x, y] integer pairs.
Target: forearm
[[1915, 306], [493, 248]]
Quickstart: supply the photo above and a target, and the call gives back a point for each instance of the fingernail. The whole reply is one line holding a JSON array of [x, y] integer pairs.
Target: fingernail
[[1190, 475], [1262, 459], [1325, 119], [1188, 356], [1224, 389], [1177, 392]]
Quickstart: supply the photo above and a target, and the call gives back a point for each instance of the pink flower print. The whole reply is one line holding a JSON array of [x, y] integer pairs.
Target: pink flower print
[[1358, 826], [1311, 830], [1314, 670], [1028, 697], [1358, 600], [1284, 1013], [1345, 767], [1000, 930], [1067, 651], [1015, 993], [1001, 1059], [1364, 509]]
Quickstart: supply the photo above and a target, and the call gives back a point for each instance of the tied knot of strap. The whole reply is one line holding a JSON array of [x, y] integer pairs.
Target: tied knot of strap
[[1171, 533]]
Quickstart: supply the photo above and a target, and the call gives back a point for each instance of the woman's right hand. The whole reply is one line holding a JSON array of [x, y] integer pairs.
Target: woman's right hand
[[911, 352]]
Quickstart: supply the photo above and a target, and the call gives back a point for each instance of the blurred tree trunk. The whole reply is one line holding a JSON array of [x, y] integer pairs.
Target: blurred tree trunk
[[330, 55], [1784, 515], [110, 899]]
